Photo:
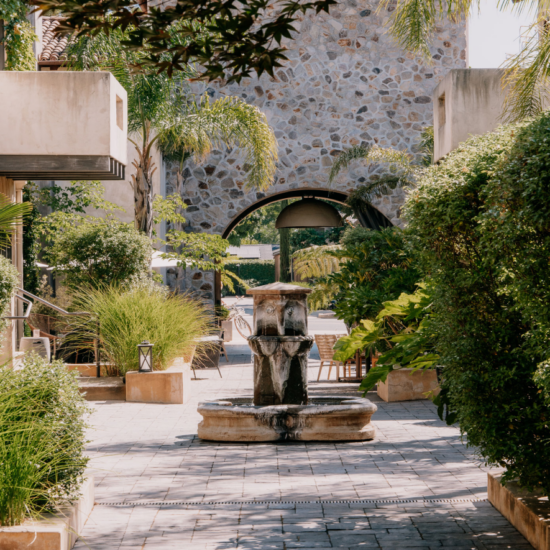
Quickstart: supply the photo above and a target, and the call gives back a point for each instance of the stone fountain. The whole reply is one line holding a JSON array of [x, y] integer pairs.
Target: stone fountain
[[281, 408]]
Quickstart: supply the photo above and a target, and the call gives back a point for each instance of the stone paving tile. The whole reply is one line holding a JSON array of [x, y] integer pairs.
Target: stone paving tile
[[267, 493]]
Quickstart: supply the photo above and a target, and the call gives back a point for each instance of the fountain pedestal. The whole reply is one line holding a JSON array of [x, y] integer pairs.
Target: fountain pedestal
[[281, 408]]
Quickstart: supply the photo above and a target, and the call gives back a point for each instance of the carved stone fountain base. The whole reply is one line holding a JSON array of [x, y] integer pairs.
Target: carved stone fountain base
[[322, 419]]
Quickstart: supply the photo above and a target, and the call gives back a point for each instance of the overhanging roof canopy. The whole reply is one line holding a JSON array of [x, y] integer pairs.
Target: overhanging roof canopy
[[62, 125], [309, 213]]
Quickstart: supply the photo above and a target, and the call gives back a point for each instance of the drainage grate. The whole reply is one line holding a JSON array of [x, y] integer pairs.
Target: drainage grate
[[279, 502]]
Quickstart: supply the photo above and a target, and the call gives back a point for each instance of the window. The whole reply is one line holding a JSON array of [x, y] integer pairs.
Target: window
[[119, 113]]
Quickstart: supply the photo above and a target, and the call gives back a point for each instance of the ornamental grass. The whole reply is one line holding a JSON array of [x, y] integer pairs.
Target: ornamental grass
[[41, 439], [173, 323]]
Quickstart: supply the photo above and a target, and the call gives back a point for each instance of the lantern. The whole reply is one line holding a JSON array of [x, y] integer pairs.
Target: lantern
[[145, 353]]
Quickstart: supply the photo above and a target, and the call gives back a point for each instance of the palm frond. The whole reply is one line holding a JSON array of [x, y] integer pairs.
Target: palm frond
[[372, 155], [527, 75], [414, 21], [228, 121], [12, 215], [316, 261]]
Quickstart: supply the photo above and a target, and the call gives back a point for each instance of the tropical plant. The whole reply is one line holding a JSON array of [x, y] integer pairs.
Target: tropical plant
[[375, 266], [479, 221], [97, 252], [12, 215], [402, 333], [161, 109], [42, 439], [132, 313], [231, 41], [317, 261]]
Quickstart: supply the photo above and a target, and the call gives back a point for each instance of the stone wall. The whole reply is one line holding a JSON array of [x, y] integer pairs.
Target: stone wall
[[346, 83]]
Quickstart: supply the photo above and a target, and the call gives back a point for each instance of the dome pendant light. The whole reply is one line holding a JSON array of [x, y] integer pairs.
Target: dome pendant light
[[309, 213]]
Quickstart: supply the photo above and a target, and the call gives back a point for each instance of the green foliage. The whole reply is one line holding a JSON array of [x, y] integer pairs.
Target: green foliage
[[375, 266], [480, 221], [99, 252], [403, 333], [258, 227], [9, 280], [231, 41], [41, 439], [19, 36], [140, 311], [261, 271], [316, 261]]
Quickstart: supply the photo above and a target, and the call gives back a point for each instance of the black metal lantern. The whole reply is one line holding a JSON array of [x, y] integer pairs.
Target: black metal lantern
[[145, 352]]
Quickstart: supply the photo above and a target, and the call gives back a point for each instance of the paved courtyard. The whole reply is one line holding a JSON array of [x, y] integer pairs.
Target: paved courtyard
[[159, 487]]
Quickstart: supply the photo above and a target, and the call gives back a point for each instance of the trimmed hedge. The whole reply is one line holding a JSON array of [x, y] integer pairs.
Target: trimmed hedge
[[256, 272], [481, 225]]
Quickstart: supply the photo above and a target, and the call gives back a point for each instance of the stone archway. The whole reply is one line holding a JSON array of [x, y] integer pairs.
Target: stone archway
[[374, 220], [346, 82]]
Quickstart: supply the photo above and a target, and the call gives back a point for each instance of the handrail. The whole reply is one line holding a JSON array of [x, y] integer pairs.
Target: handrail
[[49, 304], [27, 313], [59, 310]]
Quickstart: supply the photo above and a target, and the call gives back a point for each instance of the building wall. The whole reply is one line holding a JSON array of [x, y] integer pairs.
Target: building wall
[[346, 83]]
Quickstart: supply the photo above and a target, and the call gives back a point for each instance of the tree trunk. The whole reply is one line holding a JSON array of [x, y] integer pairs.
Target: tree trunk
[[142, 182], [284, 258]]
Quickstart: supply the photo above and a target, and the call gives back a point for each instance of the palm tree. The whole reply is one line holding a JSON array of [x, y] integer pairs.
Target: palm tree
[[162, 110], [400, 161], [527, 75]]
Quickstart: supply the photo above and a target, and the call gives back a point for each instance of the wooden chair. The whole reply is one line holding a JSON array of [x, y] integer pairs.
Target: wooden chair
[[325, 343]]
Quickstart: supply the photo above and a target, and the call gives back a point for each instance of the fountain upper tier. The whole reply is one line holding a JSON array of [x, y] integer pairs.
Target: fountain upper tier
[[280, 310]]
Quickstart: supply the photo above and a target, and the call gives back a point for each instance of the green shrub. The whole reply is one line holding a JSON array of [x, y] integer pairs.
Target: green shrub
[[481, 220], [9, 279], [262, 272], [144, 311], [99, 252], [376, 267], [41, 439]]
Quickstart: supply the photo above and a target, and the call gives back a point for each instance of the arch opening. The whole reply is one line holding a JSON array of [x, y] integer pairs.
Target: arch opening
[[369, 216]]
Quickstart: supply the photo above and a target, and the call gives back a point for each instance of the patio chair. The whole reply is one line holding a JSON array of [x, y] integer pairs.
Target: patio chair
[[46, 325], [325, 343]]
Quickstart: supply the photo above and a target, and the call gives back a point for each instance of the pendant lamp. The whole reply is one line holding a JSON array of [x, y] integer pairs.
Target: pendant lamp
[[309, 213]]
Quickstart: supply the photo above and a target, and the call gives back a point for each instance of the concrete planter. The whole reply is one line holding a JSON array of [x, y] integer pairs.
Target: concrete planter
[[55, 531], [110, 388], [406, 385], [169, 387], [528, 512]]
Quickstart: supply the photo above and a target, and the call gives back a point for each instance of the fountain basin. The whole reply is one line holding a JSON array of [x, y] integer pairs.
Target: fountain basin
[[322, 419]]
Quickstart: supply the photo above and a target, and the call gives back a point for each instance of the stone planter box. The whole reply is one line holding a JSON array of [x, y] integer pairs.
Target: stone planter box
[[406, 385], [87, 369], [54, 531], [528, 512], [102, 389], [171, 386]]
